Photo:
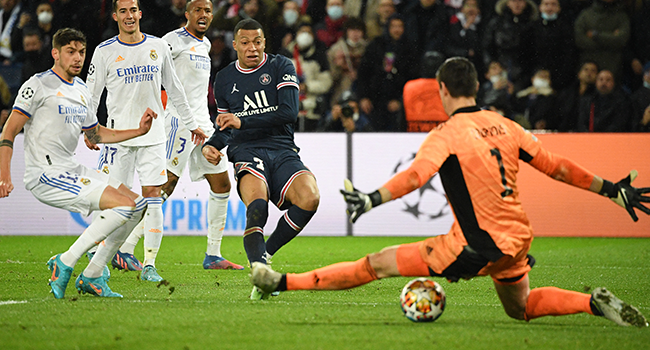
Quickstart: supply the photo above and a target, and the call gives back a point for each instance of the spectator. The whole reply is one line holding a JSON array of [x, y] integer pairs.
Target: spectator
[[346, 116], [508, 38], [263, 11], [422, 104], [569, 98], [640, 43], [166, 17], [385, 67], [345, 57], [641, 102], [536, 105], [11, 18], [426, 26], [376, 23], [316, 10], [221, 54], [310, 59], [601, 33], [553, 44], [497, 87], [36, 57], [364, 9], [330, 30], [610, 109], [464, 34], [286, 29]]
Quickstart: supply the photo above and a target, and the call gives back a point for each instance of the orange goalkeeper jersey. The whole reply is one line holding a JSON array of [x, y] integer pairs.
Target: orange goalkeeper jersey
[[477, 153]]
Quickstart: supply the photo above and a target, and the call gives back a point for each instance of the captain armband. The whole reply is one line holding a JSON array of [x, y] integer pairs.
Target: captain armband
[[7, 143]]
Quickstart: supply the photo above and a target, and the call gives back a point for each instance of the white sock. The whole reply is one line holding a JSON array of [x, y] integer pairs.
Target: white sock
[[137, 233], [153, 230], [103, 224], [107, 248], [217, 212], [133, 239]]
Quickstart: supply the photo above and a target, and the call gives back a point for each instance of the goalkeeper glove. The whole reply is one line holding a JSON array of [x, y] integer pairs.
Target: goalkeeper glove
[[628, 197], [358, 202]]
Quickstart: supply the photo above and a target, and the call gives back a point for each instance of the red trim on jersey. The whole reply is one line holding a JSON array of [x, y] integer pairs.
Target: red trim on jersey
[[283, 84], [250, 70]]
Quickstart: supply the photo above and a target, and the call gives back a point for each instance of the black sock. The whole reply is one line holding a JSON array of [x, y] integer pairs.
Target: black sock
[[289, 226], [256, 215], [283, 284]]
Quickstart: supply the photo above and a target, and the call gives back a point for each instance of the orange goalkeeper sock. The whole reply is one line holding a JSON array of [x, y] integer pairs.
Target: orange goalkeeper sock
[[552, 301], [333, 277]]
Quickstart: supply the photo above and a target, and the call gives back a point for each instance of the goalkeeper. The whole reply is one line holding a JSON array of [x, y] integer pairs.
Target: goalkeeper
[[477, 153]]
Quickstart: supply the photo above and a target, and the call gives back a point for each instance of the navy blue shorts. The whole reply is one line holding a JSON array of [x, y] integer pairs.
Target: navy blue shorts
[[277, 168]]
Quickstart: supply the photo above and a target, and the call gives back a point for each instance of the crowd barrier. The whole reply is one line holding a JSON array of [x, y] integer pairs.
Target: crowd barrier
[[554, 208]]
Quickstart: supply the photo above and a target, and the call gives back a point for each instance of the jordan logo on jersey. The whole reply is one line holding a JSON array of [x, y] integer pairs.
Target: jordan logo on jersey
[[234, 89]]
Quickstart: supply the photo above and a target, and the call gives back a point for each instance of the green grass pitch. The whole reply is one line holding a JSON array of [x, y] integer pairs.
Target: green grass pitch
[[210, 309]]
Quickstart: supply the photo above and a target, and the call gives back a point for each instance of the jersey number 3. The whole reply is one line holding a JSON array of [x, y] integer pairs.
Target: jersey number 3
[[507, 190]]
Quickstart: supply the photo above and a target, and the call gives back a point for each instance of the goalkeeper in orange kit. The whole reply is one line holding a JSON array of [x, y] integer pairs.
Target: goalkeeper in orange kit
[[477, 153]]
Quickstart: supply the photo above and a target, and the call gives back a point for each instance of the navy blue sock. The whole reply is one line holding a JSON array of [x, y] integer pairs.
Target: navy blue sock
[[256, 214], [289, 226]]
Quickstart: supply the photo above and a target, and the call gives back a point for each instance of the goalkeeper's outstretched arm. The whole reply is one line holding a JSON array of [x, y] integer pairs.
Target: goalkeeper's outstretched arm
[[566, 170]]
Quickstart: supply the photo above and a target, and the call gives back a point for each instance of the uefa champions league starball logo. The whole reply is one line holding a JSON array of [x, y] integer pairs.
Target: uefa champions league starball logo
[[427, 202]]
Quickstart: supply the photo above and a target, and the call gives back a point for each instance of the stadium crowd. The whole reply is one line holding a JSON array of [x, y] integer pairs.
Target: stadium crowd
[[565, 65]]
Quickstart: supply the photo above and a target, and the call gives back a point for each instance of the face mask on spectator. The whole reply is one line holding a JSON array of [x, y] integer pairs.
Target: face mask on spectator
[[304, 40], [354, 44], [540, 83], [45, 17], [290, 17], [335, 12], [548, 17], [497, 78]]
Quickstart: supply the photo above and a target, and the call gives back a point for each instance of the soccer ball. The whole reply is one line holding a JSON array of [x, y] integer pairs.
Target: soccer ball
[[422, 300]]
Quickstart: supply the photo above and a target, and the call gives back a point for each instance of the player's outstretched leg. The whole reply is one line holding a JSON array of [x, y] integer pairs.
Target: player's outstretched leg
[[264, 278], [617, 310], [106, 273]]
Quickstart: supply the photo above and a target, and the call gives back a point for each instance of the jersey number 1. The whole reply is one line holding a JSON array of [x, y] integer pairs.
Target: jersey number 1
[[507, 190]]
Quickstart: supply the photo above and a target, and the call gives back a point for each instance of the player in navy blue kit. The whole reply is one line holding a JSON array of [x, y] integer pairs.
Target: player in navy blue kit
[[257, 101]]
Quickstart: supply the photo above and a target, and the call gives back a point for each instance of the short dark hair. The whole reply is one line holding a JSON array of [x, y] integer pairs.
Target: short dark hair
[[354, 23], [115, 5], [64, 36], [459, 76], [248, 24], [189, 2]]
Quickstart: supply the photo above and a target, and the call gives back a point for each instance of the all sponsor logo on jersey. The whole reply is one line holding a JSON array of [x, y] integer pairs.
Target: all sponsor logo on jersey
[[289, 77], [200, 62], [257, 105], [136, 74], [73, 114], [265, 79], [153, 55]]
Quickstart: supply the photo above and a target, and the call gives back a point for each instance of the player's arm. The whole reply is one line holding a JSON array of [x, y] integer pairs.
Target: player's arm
[[424, 166], [14, 124], [568, 171], [216, 142], [100, 134], [287, 113], [176, 94]]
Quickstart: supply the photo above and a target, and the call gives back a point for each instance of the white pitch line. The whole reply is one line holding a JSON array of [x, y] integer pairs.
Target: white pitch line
[[10, 302]]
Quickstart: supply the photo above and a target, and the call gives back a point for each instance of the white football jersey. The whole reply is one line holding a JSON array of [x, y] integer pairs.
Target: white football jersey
[[191, 57], [133, 74], [58, 110]]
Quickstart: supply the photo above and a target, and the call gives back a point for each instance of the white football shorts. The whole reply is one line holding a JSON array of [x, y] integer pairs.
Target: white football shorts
[[120, 162], [181, 151], [78, 190]]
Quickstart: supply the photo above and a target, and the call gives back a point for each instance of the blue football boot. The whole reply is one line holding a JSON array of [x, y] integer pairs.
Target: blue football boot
[[60, 276]]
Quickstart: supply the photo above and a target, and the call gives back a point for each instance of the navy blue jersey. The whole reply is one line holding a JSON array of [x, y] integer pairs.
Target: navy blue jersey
[[265, 98]]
